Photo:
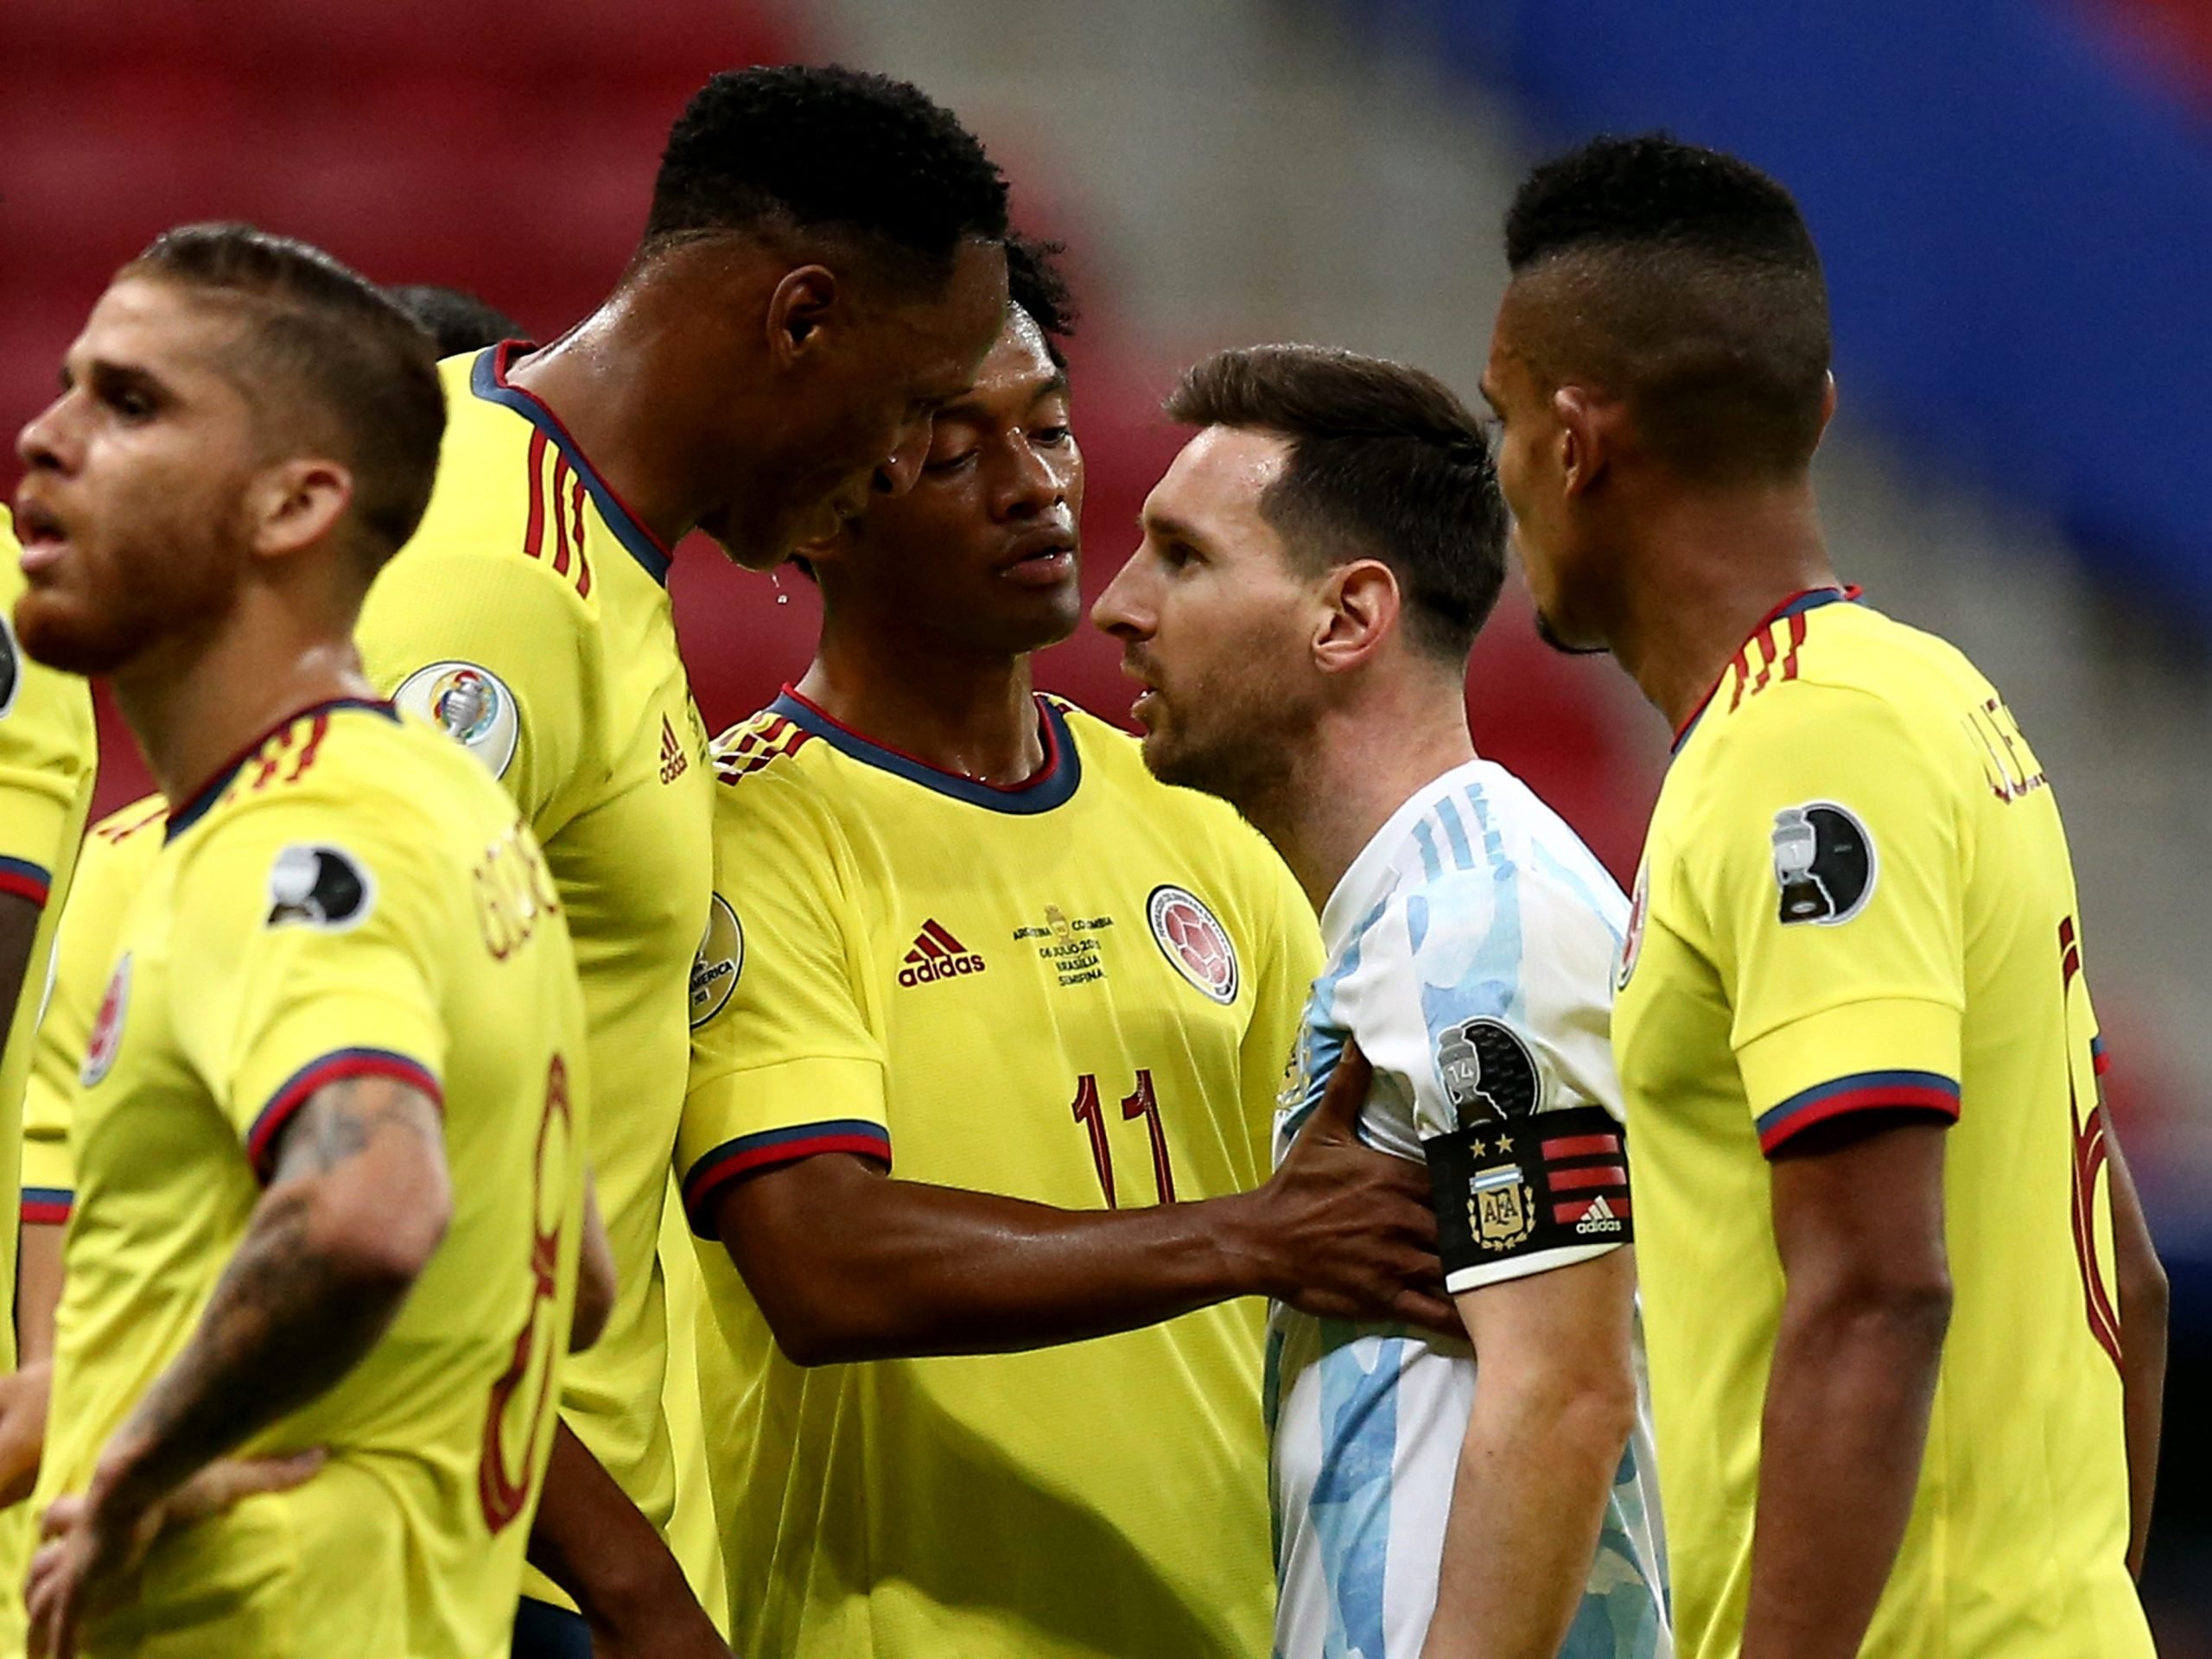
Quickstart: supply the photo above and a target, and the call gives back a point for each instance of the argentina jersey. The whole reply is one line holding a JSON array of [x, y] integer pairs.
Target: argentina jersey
[[1471, 952]]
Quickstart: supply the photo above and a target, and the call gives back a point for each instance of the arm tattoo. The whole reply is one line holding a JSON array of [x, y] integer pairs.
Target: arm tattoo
[[286, 1322]]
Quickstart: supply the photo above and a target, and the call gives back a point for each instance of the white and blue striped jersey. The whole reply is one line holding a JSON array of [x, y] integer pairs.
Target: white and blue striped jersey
[[1472, 947]]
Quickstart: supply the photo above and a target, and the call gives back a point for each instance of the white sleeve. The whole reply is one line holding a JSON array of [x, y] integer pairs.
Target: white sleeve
[[1484, 995]]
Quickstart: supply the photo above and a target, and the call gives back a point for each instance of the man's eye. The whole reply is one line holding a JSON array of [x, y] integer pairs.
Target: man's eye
[[949, 463], [1054, 436], [131, 406]]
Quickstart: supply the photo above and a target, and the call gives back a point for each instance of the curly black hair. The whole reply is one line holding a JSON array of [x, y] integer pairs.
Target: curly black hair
[[1034, 282], [1697, 295], [828, 150]]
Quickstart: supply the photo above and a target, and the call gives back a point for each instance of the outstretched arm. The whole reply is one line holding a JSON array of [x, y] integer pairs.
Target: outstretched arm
[[1556, 1405], [358, 1200], [848, 1263]]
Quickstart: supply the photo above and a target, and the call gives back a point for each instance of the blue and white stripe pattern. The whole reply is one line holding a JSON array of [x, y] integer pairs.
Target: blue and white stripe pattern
[[1475, 901]]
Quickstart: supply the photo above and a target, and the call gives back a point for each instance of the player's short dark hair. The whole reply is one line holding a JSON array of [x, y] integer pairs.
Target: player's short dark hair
[[332, 359], [1036, 282], [829, 151], [1384, 463], [456, 319], [1698, 299]]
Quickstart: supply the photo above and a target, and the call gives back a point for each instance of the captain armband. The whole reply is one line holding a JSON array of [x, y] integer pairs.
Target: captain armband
[[1509, 1188]]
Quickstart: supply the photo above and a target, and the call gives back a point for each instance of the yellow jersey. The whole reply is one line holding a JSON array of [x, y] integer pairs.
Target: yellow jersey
[[529, 617], [1082, 991], [1856, 895], [351, 898], [48, 756], [118, 853]]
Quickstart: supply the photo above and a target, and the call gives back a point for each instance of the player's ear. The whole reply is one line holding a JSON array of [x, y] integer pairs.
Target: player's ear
[[803, 303], [295, 504], [1363, 602], [1588, 429], [1828, 401]]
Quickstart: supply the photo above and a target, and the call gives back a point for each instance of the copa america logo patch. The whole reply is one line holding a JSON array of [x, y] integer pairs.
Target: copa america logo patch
[[320, 887], [1189, 937], [1824, 862], [471, 705], [720, 959], [107, 1026]]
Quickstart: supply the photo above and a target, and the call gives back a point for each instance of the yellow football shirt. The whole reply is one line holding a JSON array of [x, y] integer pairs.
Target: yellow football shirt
[[48, 755], [1856, 893], [353, 897], [118, 853], [529, 617], [1083, 992]]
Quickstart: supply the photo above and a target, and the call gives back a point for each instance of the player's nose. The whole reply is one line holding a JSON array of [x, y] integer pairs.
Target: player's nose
[[1120, 610], [903, 467]]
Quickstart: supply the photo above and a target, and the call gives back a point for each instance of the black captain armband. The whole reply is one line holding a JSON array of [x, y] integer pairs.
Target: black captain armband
[[1509, 1188]]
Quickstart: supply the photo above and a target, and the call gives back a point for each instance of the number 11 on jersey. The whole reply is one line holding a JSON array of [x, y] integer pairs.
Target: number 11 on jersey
[[1144, 1103]]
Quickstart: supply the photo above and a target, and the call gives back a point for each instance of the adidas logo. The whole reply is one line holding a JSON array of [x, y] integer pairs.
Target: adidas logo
[[1598, 1217], [937, 955], [673, 760]]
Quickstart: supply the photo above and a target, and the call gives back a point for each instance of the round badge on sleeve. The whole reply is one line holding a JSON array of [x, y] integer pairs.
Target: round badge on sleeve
[[11, 665], [1190, 937], [1639, 914], [473, 705], [107, 1026], [1824, 863], [720, 960]]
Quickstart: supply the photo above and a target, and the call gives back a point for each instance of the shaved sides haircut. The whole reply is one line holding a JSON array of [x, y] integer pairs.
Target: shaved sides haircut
[[1683, 282]]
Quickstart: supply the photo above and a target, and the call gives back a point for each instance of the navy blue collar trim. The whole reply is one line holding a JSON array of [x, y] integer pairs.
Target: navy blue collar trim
[[195, 806], [1811, 600], [1053, 785], [488, 380]]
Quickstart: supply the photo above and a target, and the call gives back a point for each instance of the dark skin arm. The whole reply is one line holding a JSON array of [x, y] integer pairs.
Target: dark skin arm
[[848, 1263], [18, 932], [2143, 1299], [357, 1202], [596, 1545], [1859, 1221]]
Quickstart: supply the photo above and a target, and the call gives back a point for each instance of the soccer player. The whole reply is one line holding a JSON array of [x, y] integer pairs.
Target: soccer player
[[1906, 1327], [329, 1194], [48, 754], [820, 268], [1315, 566], [117, 854], [990, 1026]]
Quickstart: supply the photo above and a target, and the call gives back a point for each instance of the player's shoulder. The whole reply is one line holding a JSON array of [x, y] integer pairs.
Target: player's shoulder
[[768, 741], [352, 768], [1837, 671], [1476, 863], [507, 509]]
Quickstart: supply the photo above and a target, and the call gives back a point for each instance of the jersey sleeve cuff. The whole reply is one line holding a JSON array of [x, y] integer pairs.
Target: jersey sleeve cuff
[[24, 879], [749, 1154], [1863, 1091], [335, 1067], [47, 1207]]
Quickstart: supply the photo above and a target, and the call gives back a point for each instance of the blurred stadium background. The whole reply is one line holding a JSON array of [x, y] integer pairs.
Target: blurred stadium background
[[2014, 198]]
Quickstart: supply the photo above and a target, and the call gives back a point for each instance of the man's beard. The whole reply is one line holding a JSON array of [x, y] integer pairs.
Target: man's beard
[[1248, 763], [1551, 637]]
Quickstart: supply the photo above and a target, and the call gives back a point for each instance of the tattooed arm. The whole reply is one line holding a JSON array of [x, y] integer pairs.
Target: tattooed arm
[[357, 1201]]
